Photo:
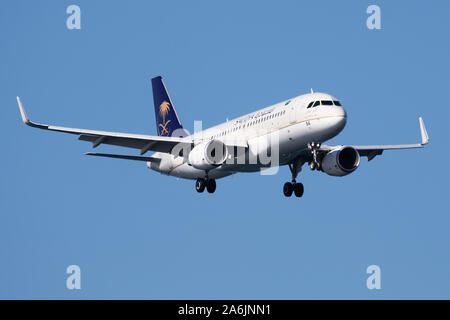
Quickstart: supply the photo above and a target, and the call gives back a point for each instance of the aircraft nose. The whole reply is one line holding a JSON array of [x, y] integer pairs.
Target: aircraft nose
[[340, 119], [340, 111]]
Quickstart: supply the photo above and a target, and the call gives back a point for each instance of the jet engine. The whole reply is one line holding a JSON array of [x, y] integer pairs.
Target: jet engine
[[208, 155], [341, 162]]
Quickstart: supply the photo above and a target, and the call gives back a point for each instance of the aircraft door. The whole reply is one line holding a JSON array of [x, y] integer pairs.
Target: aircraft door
[[294, 113], [292, 110]]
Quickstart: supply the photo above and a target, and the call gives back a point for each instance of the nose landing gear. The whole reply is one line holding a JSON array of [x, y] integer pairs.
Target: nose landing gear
[[314, 164]]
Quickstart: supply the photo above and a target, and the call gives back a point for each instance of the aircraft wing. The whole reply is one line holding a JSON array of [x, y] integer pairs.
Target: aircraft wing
[[372, 151], [136, 141], [124, 156]]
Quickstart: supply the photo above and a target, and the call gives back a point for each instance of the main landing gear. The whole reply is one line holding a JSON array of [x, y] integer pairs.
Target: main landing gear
[[294, 186], [209, 184]]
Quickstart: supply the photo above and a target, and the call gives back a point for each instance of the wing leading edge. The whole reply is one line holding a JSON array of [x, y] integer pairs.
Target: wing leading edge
[[372, 151]]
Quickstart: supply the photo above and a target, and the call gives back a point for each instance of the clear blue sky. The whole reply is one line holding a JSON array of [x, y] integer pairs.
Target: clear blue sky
[[138, 234]]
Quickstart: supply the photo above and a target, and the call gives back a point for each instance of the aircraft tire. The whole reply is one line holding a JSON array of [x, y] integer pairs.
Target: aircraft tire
[[211, 185], [298, 189], [200, 185], [288, 188]]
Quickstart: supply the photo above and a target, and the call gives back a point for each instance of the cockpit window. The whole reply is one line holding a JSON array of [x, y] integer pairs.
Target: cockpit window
[[316, 103], [310, 104], [327, 102], [337, 103]]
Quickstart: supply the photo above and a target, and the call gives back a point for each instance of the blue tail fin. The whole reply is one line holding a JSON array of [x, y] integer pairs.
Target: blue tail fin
[[167, 122]]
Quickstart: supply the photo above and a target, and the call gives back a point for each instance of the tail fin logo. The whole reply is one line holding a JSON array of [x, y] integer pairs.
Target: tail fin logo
[[164, 109], [167, 122]]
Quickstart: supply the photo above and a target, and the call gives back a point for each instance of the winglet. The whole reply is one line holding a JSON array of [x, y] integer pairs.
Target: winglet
[[25, 119], [423, 132], [22, 112]]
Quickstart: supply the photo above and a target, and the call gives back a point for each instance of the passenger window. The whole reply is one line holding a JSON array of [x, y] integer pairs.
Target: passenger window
[[337, 103], [317, 103], [327, 102]]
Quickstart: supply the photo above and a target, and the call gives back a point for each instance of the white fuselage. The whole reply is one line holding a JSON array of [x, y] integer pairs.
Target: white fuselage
[[290, 123]]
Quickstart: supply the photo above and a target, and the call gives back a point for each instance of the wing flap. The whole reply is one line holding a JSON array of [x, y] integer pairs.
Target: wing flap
[[160, 146], [124, 156]]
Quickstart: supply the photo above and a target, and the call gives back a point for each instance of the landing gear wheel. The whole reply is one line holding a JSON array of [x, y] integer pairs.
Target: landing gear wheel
[[200, 185], [288, 188], [298, 189], [211, 185]]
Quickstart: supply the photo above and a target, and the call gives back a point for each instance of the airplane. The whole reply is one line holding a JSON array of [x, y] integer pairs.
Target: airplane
[[288, 133]]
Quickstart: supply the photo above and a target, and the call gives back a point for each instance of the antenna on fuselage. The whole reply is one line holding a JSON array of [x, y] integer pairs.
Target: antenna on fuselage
[[312, 91]]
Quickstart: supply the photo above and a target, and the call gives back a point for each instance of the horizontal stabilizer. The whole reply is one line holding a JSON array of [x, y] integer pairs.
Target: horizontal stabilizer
[[124, 156]]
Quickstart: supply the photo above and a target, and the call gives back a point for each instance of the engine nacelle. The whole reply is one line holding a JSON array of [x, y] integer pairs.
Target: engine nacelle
[[208, 155], [341, 162]]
